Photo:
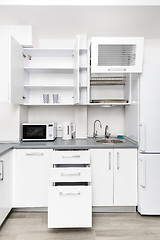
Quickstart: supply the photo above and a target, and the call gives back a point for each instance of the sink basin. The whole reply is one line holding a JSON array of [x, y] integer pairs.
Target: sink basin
[[110, 140]]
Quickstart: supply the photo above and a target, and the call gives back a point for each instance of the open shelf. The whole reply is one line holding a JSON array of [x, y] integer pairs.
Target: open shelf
[[48, 70], [49, 52]]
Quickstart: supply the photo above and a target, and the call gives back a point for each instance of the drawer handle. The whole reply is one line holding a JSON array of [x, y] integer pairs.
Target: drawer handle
[[69, 193], [74, 156], [34, 154], [71, 174], [116, 69], [1, 170]]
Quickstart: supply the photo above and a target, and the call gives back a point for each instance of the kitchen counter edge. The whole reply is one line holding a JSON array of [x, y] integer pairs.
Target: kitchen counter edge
[[60, 144]]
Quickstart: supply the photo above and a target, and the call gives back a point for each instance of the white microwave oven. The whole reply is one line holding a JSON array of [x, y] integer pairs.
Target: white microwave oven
[[39, 131]]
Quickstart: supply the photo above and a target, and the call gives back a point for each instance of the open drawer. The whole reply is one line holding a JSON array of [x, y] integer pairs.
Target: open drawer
[[69, 206], [76, 174], [71, 157]]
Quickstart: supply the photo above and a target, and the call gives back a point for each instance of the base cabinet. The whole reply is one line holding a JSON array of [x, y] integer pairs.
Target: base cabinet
[[5, 185], [114, 177], [69, 192], [30, 177]]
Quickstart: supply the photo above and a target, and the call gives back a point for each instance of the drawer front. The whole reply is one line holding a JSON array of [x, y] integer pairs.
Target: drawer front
[[70, 174], [35, 153], [70, 206], [71, 157]]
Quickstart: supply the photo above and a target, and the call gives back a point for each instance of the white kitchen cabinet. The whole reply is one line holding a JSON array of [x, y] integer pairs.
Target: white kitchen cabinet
[[116, 55], [102, 176], [114, 177], [69, 191], [5, 185], [125, 177], [52, 71], [113, 62], [30, 177]]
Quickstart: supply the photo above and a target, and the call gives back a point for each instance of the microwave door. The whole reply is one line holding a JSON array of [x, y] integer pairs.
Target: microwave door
[[32, 132]]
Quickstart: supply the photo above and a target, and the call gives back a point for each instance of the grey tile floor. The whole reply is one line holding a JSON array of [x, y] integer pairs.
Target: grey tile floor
[[106, 226]]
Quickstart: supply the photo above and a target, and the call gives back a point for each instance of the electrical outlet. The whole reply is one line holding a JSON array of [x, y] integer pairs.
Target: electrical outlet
[[59, 127]]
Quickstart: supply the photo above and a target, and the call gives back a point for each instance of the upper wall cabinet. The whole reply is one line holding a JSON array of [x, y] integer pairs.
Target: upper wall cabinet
[[35, 72], [116, 55]]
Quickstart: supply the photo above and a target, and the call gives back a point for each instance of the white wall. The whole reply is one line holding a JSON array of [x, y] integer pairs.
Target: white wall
[[9, 122], [57, 114], [152, 51], [113, 117]]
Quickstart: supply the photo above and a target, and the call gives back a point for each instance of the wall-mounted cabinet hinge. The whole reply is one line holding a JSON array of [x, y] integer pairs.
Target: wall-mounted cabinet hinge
[[29, 57], [23, 55]]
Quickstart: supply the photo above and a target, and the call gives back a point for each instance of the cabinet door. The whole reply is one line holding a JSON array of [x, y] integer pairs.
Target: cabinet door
[[5, 186], [102, 176], [17, 72], [30, 180], [125, 177], [76, 72], [116, 55]]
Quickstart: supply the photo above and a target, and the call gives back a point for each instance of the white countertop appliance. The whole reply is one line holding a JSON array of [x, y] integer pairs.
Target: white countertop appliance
[[68, 130], [39, 131], [149, 150]]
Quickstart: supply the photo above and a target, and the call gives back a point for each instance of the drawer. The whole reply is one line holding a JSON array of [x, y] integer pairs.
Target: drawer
[[71, 157], [34, 153], [82, 174], [69, 206]]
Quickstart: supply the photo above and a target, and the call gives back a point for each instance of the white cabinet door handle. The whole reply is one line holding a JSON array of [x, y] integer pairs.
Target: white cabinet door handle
[[74, 156], [69, 193], [118, 161], [35, 154], [71, 174], [1, 170], [109, 160], [116, 69]]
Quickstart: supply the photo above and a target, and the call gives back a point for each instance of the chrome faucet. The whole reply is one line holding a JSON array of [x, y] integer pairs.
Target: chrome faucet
[[107, 134], [94, 131]]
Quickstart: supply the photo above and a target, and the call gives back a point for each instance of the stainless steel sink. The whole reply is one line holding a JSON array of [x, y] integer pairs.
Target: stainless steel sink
[[111, 140]]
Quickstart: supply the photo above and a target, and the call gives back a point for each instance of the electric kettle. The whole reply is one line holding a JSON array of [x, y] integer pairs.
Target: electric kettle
[[68, 130]]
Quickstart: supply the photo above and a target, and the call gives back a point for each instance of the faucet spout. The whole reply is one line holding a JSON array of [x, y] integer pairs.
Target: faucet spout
[[107, 134], [94, 129]]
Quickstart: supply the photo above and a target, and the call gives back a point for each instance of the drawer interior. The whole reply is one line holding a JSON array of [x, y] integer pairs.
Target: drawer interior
[[71, 184], [70, 165]]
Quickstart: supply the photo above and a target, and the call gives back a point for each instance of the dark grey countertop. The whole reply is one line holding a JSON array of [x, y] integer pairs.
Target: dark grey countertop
[[65, 144]]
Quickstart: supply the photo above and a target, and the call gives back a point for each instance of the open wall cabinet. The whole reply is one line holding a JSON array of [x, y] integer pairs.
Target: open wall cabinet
[[68, 73], [35, 72]]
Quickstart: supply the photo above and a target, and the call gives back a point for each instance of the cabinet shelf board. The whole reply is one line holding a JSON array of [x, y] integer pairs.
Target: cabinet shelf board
[[83, 68], [83, 50], [48, 70], [51, 86], [47, 86], [49, 52], [48, 104], [108, 104]]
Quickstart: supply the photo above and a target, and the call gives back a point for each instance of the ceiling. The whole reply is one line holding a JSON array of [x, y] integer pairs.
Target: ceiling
[[67, 21]]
